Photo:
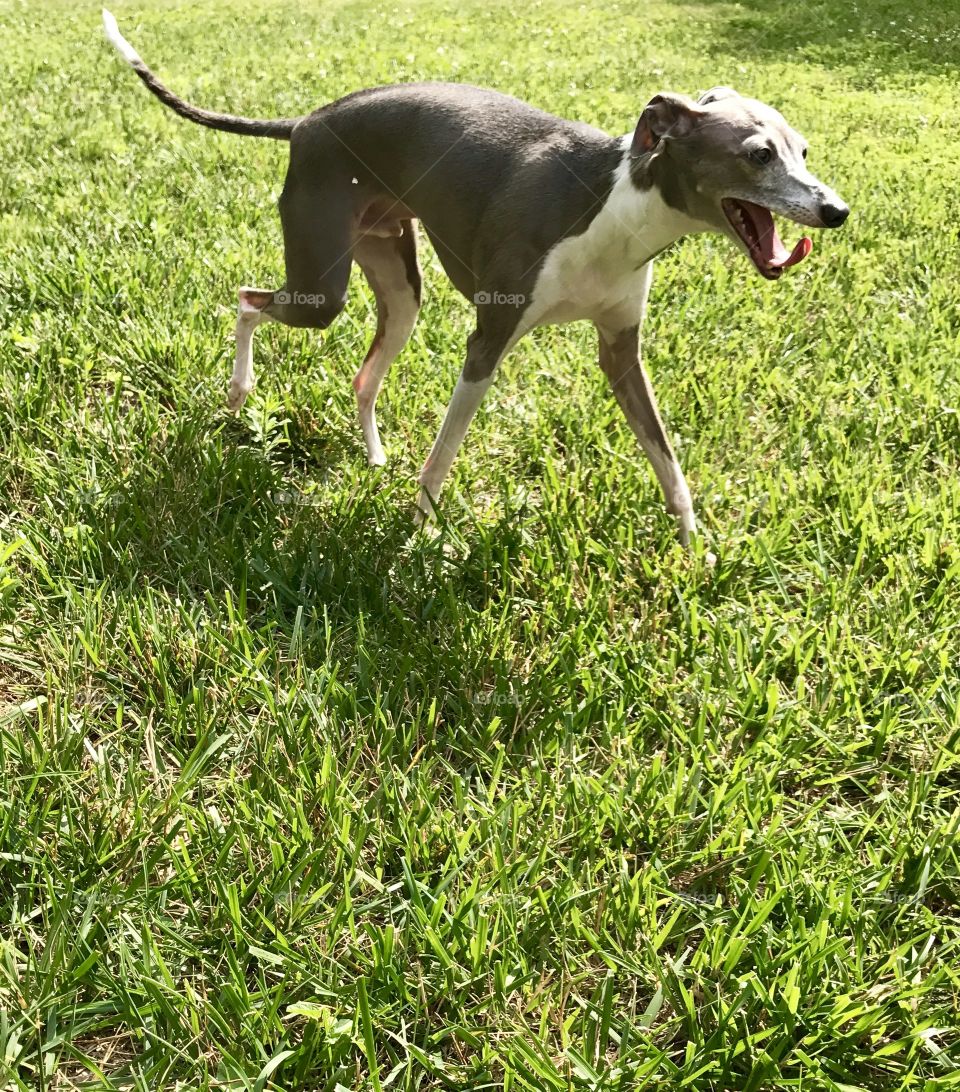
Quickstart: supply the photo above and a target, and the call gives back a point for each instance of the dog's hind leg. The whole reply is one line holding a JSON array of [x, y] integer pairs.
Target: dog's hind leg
[[249, 316], [390, 265], [318, 236]]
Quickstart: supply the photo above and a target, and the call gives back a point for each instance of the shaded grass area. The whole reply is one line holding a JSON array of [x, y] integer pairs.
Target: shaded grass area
[[877, 43], [287, 801]]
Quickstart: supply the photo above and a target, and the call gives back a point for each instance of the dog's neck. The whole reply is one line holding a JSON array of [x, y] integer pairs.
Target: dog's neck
[[641, 216], [599, 273]]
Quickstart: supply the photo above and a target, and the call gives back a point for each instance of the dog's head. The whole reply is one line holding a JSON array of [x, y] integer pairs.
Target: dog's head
[[729, 162]]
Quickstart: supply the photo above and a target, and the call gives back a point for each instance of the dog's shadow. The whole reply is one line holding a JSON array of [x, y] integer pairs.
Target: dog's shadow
[[336, 574]]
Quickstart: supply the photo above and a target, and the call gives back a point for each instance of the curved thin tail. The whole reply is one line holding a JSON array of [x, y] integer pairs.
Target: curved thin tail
[[279, 129]]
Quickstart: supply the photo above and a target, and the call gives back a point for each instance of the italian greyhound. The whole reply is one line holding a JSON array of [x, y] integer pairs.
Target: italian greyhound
[[535, 219]]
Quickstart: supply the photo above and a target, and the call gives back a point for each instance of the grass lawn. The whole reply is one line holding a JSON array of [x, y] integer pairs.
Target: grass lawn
[[544, 803]]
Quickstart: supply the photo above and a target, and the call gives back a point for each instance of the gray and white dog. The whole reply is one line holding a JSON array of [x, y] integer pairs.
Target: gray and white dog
[[536, 220]]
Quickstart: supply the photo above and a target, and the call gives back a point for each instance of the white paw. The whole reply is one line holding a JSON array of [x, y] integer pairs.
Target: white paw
[[236, 396], [688, 526]]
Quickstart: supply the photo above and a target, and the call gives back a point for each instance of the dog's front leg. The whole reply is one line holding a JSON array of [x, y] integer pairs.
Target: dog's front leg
[[620, 361], [486, 347]]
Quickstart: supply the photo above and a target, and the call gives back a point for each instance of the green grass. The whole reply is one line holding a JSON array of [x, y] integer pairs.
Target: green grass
[[545, 803]]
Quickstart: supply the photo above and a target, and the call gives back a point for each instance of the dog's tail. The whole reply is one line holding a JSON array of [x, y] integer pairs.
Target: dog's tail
[[280, 129]]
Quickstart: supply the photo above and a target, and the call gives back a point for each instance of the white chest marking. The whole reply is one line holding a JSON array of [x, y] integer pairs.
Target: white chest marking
[[600, 272]]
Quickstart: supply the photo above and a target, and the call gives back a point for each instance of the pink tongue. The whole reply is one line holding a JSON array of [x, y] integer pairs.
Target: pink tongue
[[799, 252], [771, 247]]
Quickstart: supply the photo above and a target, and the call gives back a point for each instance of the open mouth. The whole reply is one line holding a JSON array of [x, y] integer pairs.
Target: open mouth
[[754, 225]]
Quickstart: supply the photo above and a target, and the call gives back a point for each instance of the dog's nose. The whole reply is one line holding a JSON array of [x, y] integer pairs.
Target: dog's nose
[[833, 215]]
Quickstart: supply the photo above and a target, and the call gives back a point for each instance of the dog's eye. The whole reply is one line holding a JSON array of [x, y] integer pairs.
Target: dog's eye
[[804, 152], [761, 156]]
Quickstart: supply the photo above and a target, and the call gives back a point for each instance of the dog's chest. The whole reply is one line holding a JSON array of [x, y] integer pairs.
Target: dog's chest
[[601, 272], [579, 282]]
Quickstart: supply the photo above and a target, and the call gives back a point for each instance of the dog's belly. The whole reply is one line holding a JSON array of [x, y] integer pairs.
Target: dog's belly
[[382, 217]]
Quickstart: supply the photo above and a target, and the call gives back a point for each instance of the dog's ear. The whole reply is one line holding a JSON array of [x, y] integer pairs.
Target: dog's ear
[[673, 115], [715, 94]]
